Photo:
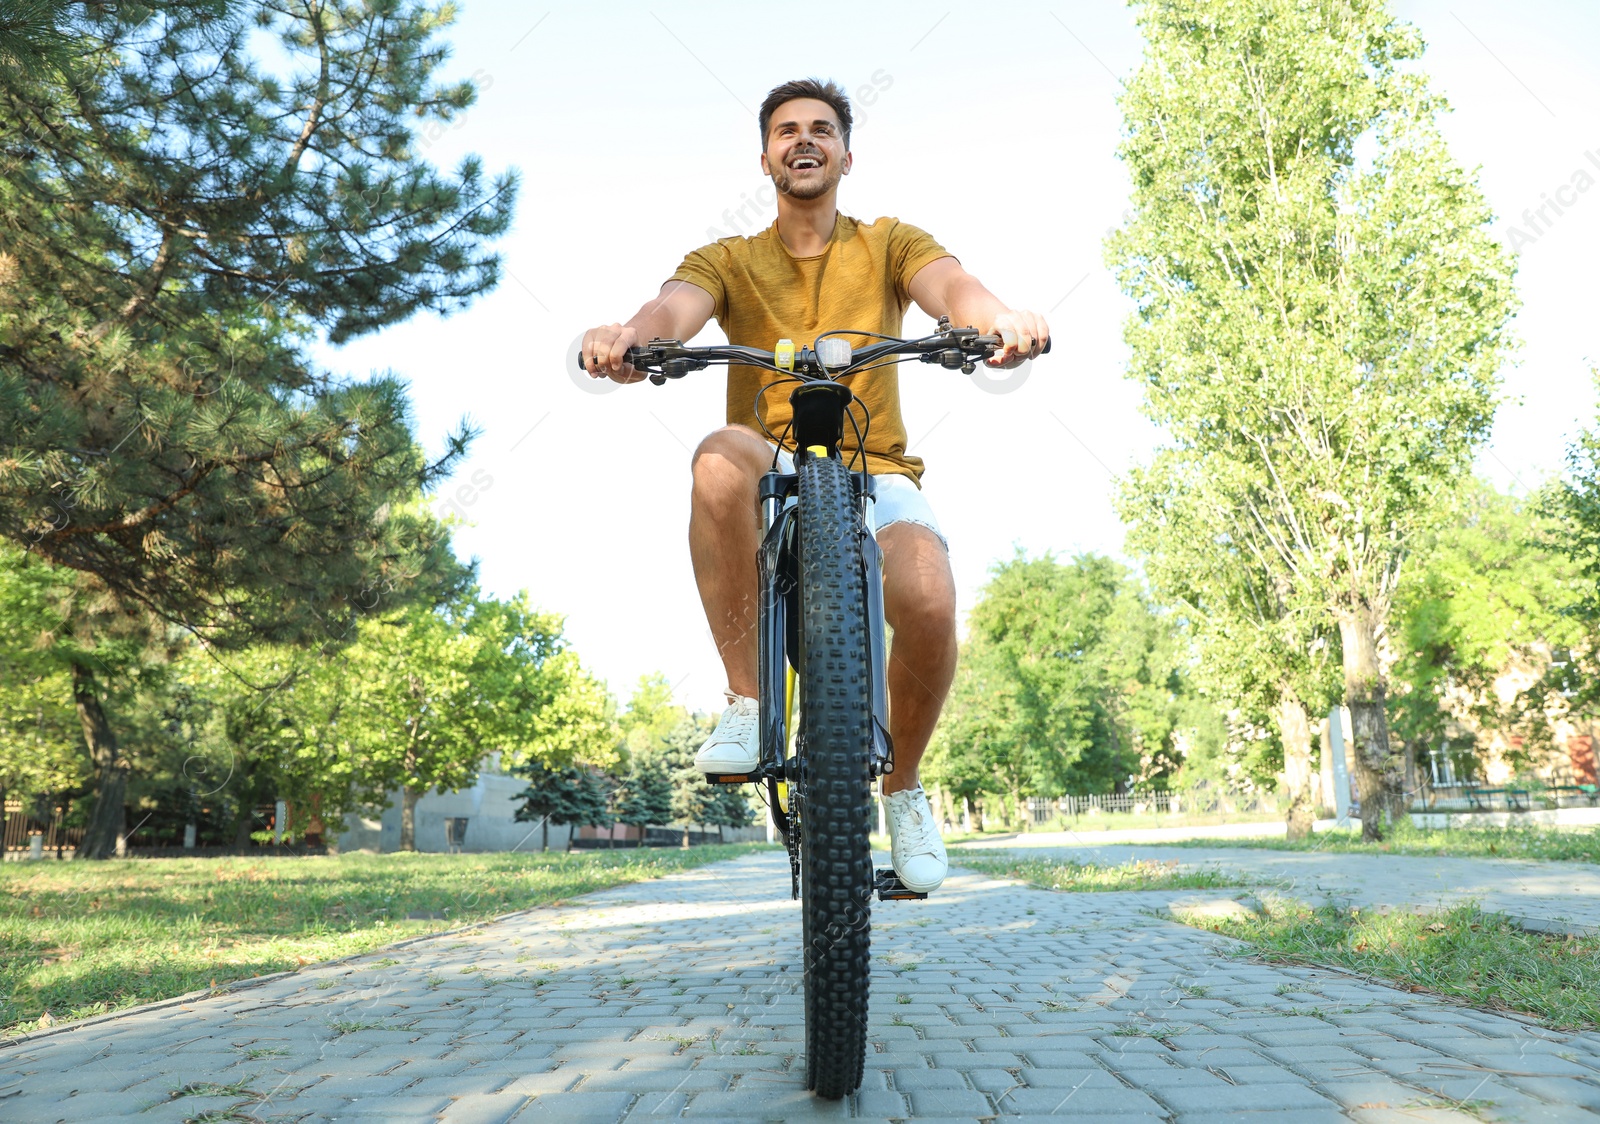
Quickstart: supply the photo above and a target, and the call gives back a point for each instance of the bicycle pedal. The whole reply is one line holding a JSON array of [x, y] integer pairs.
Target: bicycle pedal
[[891, 889], [734, 778]]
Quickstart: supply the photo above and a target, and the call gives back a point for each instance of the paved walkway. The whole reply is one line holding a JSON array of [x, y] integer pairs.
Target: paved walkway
[[681, 998], [1554, 896]]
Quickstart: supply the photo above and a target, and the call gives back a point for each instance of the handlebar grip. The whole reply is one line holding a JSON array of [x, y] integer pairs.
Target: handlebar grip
[[1046, 350], [634, 356]]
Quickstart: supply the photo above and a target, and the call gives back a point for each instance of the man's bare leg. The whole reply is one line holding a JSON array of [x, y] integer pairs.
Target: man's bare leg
[[919, 602], [919, 592], [724, 534]]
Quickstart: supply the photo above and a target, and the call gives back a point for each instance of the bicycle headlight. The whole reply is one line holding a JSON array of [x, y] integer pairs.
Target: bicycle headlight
[[783, 355], [833, 353]]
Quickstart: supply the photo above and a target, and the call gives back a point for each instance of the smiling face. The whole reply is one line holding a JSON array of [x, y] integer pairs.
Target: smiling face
[[806, 155]]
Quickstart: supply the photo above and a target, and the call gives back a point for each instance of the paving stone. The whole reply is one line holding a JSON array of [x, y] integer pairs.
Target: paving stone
[[577, 1106], [1243, 1098], [483, 1108], [1101, 1098], [1264, 1116], [766, 1103], [950, 1101], [408, 1107]]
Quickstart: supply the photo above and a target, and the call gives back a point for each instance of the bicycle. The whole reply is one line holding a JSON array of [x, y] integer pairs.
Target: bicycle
[[821, 638]]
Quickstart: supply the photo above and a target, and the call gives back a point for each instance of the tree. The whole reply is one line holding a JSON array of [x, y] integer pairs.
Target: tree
[[568, 795], [180, 221], [553, 793], [1319, 333], [1069, 680], [39, 737], [1570, 508], [644, 796], [1489, 590], [426, 694], [34, 42], [1258, 653]]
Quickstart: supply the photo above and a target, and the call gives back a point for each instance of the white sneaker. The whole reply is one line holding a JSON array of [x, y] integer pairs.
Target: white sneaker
[[735, 745], [919, 857]]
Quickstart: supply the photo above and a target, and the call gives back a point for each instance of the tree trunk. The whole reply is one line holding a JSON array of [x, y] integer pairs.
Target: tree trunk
[[409, 796], [108, 823], [1379, 776], [1294, 727], [1413, 783], [408, 818], [544, 841]]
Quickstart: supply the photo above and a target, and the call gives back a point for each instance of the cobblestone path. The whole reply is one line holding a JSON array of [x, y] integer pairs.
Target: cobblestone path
[[681, 998], [1557, 896]]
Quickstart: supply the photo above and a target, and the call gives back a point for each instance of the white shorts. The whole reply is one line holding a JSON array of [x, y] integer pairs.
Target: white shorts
[[898, 500]]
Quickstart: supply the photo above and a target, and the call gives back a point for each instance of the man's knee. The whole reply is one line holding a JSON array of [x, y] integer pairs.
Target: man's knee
[[919, 589], [726, 465]]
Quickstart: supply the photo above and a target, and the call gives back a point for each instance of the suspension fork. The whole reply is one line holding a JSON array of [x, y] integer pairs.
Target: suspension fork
[[777, 523], [881, 757]]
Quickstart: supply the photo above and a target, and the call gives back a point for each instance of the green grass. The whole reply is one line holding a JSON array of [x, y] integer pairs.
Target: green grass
[[1480, 958], [1065, 874], [1114, 821], [80, 939], [1582, 845]]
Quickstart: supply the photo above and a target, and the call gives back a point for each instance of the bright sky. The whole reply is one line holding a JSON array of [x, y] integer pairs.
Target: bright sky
[[993, 127]]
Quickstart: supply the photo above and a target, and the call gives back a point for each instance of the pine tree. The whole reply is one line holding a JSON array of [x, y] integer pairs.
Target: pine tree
[[645, 794], [568, 795], [552, 795], [180, 217]]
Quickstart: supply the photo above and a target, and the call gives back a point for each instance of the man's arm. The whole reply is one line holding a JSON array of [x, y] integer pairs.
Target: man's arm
[[677, 313], [943, 288]]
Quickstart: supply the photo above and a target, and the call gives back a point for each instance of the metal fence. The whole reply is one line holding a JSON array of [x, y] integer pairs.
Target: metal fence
[[1193, 802], [22, 822]]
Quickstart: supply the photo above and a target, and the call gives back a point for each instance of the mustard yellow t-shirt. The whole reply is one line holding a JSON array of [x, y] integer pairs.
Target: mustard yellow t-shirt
[[764, 293]]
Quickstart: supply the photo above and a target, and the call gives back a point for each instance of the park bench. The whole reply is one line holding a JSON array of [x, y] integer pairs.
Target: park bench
[[1517, 799], [1589, 792]]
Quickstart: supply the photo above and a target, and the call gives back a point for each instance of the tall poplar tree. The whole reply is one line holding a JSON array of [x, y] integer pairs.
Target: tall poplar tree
[[1319, 322], [176, 219]]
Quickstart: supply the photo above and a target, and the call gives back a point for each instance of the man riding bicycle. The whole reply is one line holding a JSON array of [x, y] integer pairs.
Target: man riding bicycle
[[811, 271]]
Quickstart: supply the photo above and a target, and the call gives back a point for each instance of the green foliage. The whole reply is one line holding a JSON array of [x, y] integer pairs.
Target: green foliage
[[39, 732], [1571, 507], [1069, 681], [568, 795], [644, 793], [1319, 334], [1485, 591], [35, 41], [181, 221], [417, 699]]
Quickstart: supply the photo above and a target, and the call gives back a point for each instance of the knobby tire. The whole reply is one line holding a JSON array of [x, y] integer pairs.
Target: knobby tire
[[836, 815]]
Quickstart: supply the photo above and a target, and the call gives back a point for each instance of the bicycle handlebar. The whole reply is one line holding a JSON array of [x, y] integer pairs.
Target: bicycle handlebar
[[952, 348]]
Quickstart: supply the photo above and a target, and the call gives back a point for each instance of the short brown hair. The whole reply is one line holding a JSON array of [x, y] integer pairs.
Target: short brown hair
[[830, 92]]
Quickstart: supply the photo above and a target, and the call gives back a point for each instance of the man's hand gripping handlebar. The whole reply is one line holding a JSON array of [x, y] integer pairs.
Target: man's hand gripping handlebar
[[830, 357]]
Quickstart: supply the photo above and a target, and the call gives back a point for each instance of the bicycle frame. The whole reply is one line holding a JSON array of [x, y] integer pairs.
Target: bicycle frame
[[819, 412]]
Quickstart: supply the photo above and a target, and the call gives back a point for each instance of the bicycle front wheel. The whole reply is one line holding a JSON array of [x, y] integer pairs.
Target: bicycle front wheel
[[836, 813]]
